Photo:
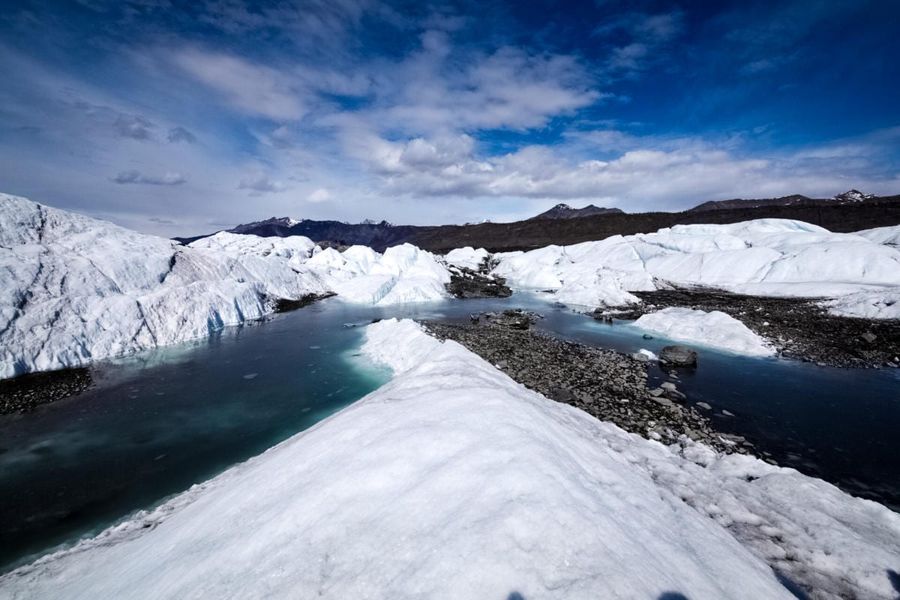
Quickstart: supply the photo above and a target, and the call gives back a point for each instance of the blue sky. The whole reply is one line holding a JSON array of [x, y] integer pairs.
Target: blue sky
[[178, 118]]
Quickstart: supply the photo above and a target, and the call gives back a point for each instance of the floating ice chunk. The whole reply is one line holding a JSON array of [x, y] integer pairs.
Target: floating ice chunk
[[714, 329]]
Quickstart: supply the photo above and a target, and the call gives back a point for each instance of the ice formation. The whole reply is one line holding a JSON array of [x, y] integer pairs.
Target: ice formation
[[769, 257], [466, 257], [714, 329], [76, 289]]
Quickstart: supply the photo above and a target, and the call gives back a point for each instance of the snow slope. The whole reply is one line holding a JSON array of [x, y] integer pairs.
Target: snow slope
[[772, 257], [876, 304], [882, 235], [75, 289], [453, 481], [715, 329]]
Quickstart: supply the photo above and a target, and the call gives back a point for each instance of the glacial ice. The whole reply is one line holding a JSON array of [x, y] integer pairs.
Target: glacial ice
[[882, 235], [768, 257], [714, 329], [453, 481], [76, 289]]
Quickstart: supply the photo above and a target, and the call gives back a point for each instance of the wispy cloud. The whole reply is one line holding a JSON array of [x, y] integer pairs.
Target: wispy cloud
[[126, 177], [261, 184], [134, 126], [646, 37], [180, 134], [250, 88]]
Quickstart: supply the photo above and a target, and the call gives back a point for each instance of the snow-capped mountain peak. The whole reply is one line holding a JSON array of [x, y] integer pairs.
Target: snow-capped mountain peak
[[853, 196]]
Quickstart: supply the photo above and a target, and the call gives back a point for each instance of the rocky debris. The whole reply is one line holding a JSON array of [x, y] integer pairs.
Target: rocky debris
[[287, 305], [514, 318], [606, 384], [24, 393], [467, 283], [607, 314], [797, 327], [678, 356]]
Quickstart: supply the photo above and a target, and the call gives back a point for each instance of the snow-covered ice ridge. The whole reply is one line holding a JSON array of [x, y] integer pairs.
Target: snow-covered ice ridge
[[453, 481], [768, 257], [75, 289]]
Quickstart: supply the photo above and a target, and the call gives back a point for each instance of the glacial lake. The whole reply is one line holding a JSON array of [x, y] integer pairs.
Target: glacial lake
[[158, 422]]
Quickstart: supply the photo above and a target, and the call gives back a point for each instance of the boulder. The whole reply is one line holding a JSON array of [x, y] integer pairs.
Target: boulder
[[679, 356]]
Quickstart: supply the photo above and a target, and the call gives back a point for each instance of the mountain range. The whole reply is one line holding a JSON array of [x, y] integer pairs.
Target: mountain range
[[562, 224]]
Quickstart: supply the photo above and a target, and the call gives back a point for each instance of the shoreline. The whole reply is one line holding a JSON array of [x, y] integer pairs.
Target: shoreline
[[606, 384], [25, 393]]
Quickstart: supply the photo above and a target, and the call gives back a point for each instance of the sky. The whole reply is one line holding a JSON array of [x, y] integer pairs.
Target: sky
[[180, 118]]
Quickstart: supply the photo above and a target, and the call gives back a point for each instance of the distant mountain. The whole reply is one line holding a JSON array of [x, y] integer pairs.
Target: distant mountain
[[794, 200], [847, 197], [850, 211], [853, 196], [564, 211], [274, 224], [336, 233]]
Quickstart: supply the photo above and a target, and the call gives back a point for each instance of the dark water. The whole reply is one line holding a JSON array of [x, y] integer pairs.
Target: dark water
[[157, 423]]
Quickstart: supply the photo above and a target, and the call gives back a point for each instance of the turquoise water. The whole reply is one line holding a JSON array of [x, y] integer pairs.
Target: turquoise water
[[159, 422], [156, 423]]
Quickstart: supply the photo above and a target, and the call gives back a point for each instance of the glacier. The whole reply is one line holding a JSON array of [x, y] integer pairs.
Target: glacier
[[75, 289], [453, 481], [767, 257]]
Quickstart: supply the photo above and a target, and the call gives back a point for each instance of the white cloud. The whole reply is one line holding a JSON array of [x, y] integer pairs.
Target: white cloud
[[319, 195], [508, 88], [685, 172]]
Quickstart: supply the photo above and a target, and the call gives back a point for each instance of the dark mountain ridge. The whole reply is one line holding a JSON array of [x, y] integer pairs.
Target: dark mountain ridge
[[848, 197], [564, 211], [838, 214]]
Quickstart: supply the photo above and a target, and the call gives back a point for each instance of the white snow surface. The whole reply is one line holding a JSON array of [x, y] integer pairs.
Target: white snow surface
[[771, 257], [875, 304], [467, 257], [453, 481], [75, 289], [882, 235], [714, 329]]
